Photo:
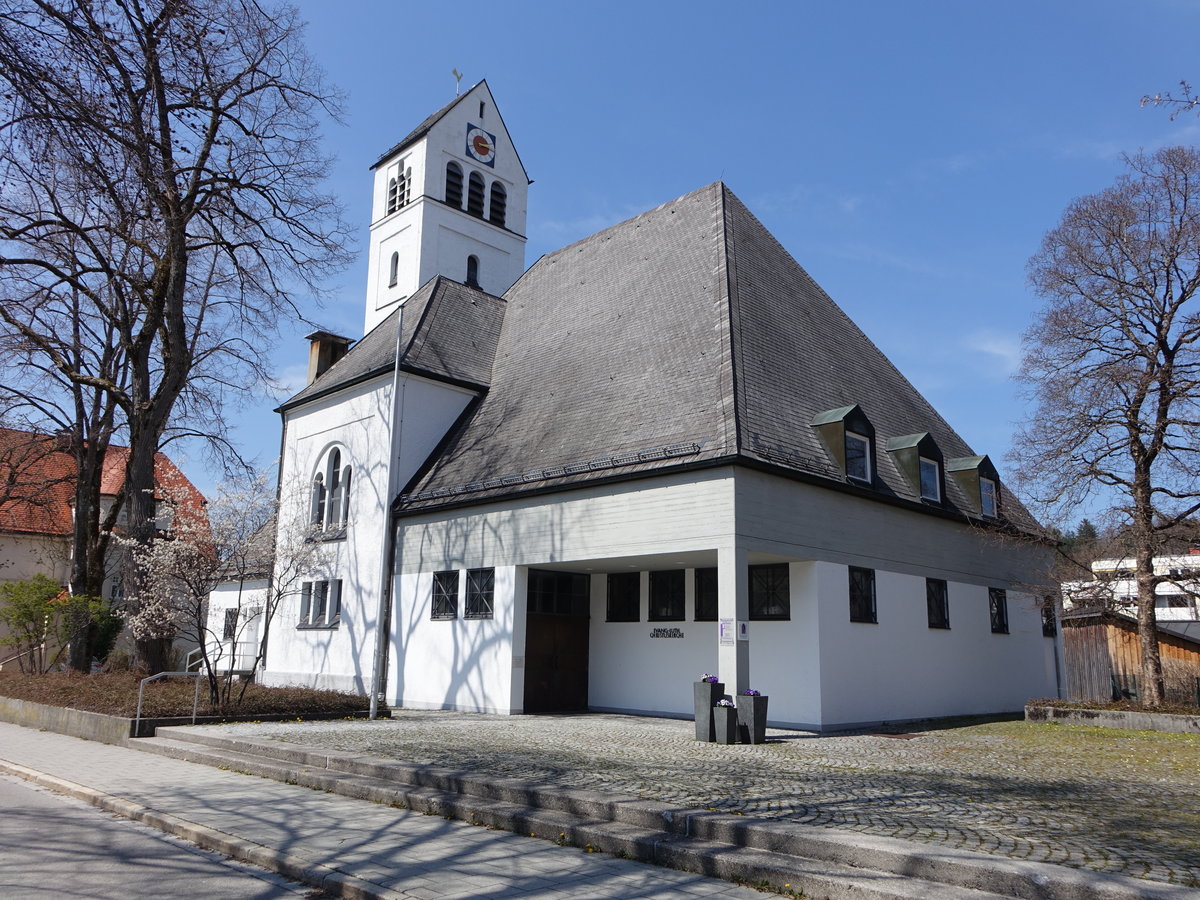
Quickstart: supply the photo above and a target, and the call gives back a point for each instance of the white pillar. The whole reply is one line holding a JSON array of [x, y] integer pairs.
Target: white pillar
[[518, 610], [733, 607]]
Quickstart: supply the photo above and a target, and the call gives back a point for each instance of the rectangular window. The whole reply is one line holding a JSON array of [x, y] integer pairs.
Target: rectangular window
[[230, 630], [987, 497], [862, 595], [931, 481], [858, 456], [320, 604], [666, 596], [559, 593], [1049, 628], [769, 595], [445, 595], [998, 606], [481, 586], [625, 597], [706, 595], [937, 599]]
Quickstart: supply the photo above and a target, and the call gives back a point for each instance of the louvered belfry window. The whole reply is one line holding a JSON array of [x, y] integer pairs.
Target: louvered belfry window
[[475, 194], [499, 205], [454, 185]]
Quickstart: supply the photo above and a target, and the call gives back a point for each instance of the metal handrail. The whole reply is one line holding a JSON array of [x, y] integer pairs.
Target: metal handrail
[[142, 688], [4, 662]]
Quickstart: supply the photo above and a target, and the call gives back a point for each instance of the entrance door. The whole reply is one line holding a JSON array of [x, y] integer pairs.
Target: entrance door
[[556, 641]]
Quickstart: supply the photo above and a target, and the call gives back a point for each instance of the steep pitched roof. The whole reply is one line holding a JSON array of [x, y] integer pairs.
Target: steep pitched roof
[[686, 335], [423, 129], [450, 333], [37, 483]]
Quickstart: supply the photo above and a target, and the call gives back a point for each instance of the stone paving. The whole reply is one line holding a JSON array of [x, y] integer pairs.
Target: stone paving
[[1112, 801]]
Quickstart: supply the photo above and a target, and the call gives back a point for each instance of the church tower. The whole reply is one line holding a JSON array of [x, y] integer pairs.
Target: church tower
[[449, 199]]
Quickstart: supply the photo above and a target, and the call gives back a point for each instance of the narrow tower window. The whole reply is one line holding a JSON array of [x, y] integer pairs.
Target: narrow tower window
[[473, 271], [394, 270], [475, 194], [499, 205], [454, 185]]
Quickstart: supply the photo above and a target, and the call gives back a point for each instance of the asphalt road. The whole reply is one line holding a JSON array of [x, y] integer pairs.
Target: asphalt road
[[55, 846]]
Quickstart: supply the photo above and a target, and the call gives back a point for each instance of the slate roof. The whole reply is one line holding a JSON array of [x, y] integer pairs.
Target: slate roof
[[686, 335], [450, 333], [423, 129]]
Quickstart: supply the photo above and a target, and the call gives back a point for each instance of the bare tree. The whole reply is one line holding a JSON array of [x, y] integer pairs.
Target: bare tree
[[159, 213], [1185, 101], [1113, 365]]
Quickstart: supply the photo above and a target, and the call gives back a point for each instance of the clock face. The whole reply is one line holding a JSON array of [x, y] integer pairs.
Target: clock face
[[481, 146]]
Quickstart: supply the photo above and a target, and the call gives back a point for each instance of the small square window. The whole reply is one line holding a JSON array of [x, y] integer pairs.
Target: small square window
[[858, 456], [937, 599], [706, 595], [624, 597], [931, 480], [769, 592], [987, 497], [998, 607], [862, 595], [445, 595], [481, 589], [666, 596]]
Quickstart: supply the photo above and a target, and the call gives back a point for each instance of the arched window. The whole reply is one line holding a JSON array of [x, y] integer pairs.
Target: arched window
[[499, 205], [394, 270], [399, 189], [393, 195], [331, 492], [475, 194], [454, 184], [473, 271], [406, 186]]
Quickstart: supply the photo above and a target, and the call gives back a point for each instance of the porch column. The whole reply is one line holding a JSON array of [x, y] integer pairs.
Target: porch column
[[733, 606]]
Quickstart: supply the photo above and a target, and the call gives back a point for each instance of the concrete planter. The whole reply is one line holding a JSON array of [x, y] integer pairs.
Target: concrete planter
[[752, 719], [725, 721], [705, 695], [1114, 718]]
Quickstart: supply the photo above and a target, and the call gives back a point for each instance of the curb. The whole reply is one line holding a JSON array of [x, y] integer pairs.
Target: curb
[[289, 865]]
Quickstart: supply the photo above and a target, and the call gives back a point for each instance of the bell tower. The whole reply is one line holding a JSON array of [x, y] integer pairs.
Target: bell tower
[[449, 199]]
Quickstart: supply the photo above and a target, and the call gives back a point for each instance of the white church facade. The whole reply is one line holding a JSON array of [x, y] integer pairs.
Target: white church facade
[[661, 451]]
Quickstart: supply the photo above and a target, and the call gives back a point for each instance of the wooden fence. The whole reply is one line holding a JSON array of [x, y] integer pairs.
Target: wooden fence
[[1102, 658]]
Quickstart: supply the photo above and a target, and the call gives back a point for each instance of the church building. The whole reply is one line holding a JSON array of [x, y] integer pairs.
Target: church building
[[660, 452]]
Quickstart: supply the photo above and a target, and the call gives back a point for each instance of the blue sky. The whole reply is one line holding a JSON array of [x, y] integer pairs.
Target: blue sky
[[910, 155]]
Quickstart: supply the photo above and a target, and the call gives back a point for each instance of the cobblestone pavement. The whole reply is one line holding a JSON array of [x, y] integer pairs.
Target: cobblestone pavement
[[1113, 801]]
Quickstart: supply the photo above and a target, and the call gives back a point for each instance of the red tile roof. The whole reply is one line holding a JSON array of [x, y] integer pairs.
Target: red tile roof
[[37, 483]]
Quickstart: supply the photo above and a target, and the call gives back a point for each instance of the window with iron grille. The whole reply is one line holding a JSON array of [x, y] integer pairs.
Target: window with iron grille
[[454, 185], [445, 595], [862, 594], [666, 596], [998, 607], [706, 595], [624, 597], [231, 620], [481, 588], [1049, 625], [769, 596], [475, 194], [937, 600]]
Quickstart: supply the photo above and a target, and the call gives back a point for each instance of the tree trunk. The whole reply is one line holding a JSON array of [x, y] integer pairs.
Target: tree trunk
[[1150, 691]]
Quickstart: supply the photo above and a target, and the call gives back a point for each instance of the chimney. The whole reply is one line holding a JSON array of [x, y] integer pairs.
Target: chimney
[[324, 349]]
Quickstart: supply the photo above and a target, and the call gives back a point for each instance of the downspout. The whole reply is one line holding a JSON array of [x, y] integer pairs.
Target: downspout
[[388, 548]]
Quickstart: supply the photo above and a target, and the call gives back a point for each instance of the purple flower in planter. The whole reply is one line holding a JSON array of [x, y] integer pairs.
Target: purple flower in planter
[[750, 692], [724, 702], [711, 679]]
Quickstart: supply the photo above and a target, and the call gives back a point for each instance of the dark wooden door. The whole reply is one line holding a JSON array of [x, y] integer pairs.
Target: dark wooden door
[[556, 663]]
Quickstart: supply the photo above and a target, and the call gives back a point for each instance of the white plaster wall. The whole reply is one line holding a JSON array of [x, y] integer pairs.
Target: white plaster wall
[[354, 419], [901, 668], [23, 556], [463, 664]]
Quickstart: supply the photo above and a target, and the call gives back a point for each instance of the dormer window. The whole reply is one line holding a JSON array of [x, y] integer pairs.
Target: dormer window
[[931, 480], [858, 456], [919, 460], [979, 482], [849, 438], [987, 497]]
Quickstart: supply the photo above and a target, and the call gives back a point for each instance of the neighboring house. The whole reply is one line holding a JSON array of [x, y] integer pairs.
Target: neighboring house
[[236, 607], [37, 493], [1114, 588], [661, 451]]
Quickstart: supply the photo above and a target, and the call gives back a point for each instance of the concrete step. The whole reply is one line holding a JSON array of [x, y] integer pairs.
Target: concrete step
[[785, 855]]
